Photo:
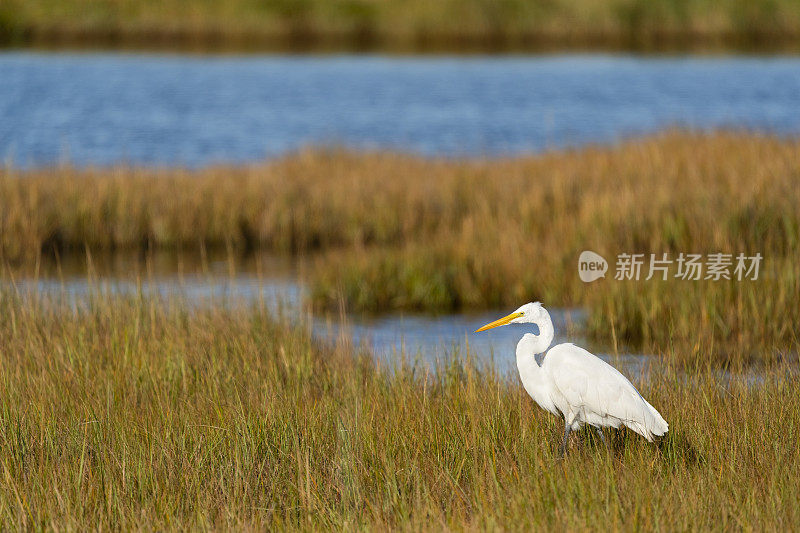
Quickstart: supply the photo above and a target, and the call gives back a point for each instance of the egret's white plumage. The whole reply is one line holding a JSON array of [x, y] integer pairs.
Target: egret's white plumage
[[571, 382]]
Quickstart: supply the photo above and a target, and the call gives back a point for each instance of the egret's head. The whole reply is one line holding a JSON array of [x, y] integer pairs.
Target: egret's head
[[529, 313]]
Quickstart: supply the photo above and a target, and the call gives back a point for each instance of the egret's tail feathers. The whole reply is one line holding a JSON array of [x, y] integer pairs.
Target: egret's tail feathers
[[652, 425], [649, 423], [660, 426]]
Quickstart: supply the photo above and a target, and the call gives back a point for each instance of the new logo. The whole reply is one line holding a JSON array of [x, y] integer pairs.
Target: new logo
[[591, 266]]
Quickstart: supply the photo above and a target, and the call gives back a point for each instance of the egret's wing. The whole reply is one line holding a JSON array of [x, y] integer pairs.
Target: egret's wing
[[599, 393]]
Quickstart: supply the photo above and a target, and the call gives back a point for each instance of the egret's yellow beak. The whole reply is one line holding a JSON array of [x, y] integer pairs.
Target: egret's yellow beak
[[500, 322]]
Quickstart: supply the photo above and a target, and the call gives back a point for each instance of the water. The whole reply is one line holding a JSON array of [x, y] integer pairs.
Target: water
[[433, 338], [429, 339], [99, 108]]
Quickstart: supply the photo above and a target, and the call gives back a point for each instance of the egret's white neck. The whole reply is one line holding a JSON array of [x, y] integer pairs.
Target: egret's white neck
[[532, 375], [536, 344]]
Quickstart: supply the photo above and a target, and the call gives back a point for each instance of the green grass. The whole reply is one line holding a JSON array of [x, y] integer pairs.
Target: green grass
[[127, 413], [401, 24]]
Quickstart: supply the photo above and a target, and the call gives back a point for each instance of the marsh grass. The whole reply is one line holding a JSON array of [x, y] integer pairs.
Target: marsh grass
[[386, 232], [413, 24], [138, 413]]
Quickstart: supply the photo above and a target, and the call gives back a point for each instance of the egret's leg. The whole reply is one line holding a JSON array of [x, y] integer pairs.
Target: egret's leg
[[563, 448], [602, 437]]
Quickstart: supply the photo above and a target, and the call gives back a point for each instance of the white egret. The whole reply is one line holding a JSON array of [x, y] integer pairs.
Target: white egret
[[572, 382]]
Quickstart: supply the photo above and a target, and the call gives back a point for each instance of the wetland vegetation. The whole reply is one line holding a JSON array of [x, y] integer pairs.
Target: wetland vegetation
[[402, 25], [123, 412], [385, 232]]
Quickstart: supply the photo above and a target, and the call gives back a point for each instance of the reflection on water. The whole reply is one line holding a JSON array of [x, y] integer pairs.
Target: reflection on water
[[273, 284]]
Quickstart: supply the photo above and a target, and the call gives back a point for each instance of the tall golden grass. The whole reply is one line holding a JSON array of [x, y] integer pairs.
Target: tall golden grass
[[126, 413], [402, 232], [675, 191]]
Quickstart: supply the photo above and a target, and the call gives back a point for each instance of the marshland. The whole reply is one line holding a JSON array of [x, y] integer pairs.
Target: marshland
[[387, 232], [239, 292], [138, 410], [418, 26]]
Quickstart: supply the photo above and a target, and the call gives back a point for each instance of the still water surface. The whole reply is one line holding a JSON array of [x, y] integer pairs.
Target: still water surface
[[102, 108], [427, 339]]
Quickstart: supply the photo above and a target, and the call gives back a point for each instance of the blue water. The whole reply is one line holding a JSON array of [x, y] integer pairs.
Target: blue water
[[191, 110], [430, 340]]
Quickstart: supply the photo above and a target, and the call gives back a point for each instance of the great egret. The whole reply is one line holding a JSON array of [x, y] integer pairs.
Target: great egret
[[576, 384]]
